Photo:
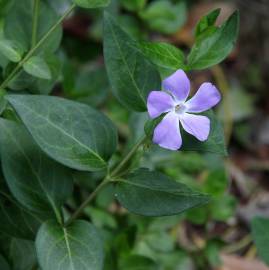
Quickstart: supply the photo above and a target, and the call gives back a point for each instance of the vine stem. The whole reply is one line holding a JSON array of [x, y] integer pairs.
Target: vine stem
[[106, 180], [37, 46], [87, 201], [35, 22], [127, 157]]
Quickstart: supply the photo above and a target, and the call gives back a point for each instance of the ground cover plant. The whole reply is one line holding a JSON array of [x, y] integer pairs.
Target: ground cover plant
[[112, 155]]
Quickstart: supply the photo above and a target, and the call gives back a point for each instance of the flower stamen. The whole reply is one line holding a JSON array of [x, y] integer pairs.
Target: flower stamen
[[180, 109], [177, 108]]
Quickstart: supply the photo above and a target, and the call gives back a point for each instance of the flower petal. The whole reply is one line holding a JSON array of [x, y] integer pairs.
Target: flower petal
[[178, 84], [197, 125], [206, 97], [158, 103], [167, 133]]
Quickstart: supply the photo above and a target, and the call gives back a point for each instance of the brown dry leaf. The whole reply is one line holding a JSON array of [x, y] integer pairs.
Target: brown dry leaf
[[231, 262]]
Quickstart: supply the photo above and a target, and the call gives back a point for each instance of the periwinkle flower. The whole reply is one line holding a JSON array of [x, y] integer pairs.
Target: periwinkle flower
[[173, 101]]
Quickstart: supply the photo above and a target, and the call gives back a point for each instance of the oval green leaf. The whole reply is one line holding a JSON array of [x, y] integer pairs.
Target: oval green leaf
[[151, 193], [36, 85], [11, 50], [214, 45], [92, 3], [37, 67], [163, 54], [131, 76], [70, 132], [77, 247], [36, 181], [215, 142]]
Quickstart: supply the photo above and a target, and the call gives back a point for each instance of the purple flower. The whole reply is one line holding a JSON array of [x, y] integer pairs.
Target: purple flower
[[174, 102]]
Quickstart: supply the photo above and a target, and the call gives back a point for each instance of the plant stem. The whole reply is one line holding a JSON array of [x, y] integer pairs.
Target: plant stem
[[127, 157], [37, 46], [87, 201], [106, 181], [35, 22]]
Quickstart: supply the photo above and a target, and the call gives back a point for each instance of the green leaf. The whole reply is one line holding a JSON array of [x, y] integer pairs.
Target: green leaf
[[215, 142], [15, 220], [131, 76], [214, 44], [260, 233], [22, 254], [37, 182], [77, 247], [23, 80], [92, 3], [60, 6], [18, 25], [72, 133], [207, 21], [163, 54], [131, 25], [134, 5], [165, 17], [154, 194], [43, 86], [11, 50], [37, 67], [3, 263], [137, 262]]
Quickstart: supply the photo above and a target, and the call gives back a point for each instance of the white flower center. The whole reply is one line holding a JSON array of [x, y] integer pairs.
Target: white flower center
[[180, 109]]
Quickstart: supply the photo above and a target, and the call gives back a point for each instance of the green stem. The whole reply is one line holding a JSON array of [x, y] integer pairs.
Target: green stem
[[106, 180], [35, 22], [87, 201], [37, 46], [127, 157]]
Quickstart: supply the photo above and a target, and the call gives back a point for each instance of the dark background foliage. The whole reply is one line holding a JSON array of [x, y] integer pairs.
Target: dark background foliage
[[224, 234]]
